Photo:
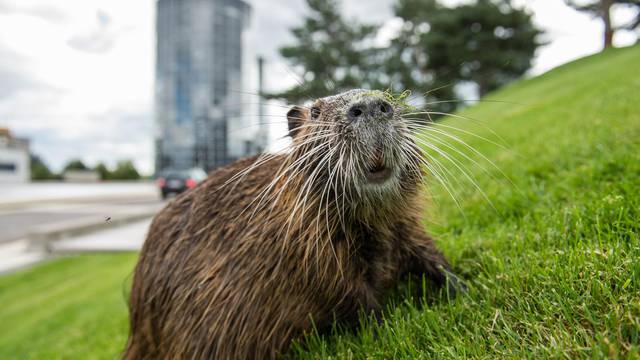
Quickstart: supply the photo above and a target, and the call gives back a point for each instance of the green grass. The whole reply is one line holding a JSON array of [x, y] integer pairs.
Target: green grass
[[551, 260], [554, 269], [69, 308]]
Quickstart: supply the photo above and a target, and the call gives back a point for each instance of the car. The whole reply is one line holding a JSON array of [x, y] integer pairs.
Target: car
[[177, 181]]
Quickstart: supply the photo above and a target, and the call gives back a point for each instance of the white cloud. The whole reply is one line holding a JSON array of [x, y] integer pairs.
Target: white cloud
[[88, 70], [571, 34]]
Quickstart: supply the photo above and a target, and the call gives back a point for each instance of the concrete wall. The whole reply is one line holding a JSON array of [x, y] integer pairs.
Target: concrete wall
[[81, 176]]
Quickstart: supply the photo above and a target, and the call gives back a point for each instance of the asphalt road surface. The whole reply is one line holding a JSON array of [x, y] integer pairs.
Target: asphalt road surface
[[19, 222], [60, 192]]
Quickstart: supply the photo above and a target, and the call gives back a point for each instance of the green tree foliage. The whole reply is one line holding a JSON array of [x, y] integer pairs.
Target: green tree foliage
[[75, 164], [125, 170], [602, 10], [40, 170], [103, 171], [333, 54], [489, 43]]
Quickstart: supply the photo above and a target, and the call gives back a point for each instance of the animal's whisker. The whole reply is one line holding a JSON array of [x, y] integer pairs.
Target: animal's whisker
[[266, 158], [280, 173], [472, 100], [294, 169], [457, 151], [439, 124], [458, 166], [458, 116], [438, 173], [472, 149]]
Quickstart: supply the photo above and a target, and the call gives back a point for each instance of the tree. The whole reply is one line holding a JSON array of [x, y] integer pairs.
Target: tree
[[125, 170], [75, 164], [103, 171], [40, 170], [489, 43], [333, 54], [602, 10]]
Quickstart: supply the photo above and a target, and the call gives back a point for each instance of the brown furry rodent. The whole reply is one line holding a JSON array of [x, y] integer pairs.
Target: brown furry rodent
[[268, 247]]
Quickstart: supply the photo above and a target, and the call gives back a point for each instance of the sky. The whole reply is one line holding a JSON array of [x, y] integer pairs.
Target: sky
[[76, 76]]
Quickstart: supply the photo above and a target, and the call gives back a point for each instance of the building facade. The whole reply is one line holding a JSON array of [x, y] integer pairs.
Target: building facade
[[15, 165], [204, 110]]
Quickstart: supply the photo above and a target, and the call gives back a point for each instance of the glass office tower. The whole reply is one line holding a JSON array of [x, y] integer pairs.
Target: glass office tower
[[204, 106]]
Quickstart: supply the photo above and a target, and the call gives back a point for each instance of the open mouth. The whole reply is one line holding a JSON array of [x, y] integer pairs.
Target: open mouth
[[378, 172]]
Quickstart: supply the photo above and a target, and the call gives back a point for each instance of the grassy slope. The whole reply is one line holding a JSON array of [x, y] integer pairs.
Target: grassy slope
[[552, 272], [69, 308]]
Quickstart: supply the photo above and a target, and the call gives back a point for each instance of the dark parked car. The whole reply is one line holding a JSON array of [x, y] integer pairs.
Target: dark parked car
[[177, 181]]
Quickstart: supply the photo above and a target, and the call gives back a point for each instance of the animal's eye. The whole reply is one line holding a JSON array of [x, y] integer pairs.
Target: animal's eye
[[315, 112]]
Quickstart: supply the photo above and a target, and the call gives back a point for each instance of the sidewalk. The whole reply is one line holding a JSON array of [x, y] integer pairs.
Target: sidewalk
[[20, 254], [17, 255], [41, 220], [125, 238]]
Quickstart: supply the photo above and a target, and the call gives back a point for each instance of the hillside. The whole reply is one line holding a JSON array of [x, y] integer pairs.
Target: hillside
[[550, 251], [551, 254]]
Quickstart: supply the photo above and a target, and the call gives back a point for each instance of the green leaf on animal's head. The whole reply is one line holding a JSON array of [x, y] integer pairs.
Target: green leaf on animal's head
[[399, 100]]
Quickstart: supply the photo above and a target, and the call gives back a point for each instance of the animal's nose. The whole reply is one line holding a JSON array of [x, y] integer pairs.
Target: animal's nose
[[374, 109]]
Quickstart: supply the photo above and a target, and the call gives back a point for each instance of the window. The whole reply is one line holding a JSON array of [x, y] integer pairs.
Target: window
[[7, 167], [182, 88]]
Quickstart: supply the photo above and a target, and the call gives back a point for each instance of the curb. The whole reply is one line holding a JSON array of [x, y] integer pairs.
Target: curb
[[42, 237], [14, 256]]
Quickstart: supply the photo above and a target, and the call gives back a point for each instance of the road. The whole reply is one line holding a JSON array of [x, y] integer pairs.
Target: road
[[60, 192], [28, 210], [19, 222]]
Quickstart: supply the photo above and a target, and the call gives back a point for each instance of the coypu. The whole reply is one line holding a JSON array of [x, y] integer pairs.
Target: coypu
[[269, 247]]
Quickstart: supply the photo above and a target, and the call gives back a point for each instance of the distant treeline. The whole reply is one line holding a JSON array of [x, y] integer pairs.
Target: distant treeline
[[124, 170], [430, 49]]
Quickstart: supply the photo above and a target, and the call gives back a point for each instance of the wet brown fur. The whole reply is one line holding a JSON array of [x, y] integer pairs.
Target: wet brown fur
[[225, 275]]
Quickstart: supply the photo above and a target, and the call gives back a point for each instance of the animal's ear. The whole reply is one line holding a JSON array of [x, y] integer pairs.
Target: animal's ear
[[296, 117]]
